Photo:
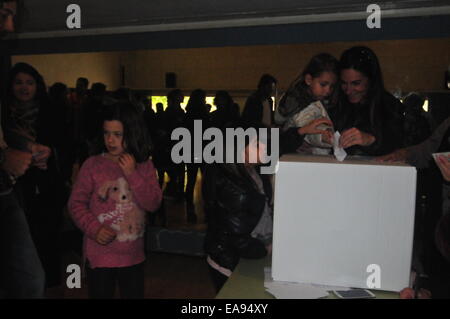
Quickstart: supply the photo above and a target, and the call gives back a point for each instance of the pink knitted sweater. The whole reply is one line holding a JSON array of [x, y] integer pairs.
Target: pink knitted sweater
[[102, 194]]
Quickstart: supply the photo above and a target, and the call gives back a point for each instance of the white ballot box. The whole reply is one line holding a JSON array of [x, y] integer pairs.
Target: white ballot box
[[347, 223]]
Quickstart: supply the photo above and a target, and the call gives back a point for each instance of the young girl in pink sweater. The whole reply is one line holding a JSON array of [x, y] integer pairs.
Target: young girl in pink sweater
[[108, 202]]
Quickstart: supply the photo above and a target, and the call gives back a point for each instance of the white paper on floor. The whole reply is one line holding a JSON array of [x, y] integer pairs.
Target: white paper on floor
[[291, 290]]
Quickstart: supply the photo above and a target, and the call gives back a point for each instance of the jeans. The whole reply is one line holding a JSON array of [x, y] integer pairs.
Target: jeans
[[21, 275]]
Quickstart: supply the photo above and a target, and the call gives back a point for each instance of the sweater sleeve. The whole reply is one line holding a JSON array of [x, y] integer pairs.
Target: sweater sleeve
[[419, 155], [80, 199], [145, 187]]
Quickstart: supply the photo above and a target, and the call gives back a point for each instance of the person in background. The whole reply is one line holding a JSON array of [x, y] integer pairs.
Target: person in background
[[259, 106], [417, 128], [237, 202], [29, 127], [226, 114], [432, 262], [174, 118], [108, 202], [195, 111]]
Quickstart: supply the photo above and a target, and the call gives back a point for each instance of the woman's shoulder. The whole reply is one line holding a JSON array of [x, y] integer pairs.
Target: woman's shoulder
[[390, 100]]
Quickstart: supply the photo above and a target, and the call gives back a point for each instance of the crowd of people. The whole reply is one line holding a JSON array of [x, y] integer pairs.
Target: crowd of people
[[123, 149]]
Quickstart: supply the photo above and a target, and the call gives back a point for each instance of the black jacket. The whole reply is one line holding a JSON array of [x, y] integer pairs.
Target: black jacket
[[253, 109], [234, 207], [388, 127]]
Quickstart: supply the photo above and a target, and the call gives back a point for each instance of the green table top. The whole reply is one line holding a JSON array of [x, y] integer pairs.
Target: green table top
[[247, 282]]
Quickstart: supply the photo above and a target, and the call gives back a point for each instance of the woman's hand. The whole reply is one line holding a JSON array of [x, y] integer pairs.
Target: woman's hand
[[354, 136], [409, 293], [40, 154], [127, 163], [105, 235], [444, 166], [396, 156], [16, 162]]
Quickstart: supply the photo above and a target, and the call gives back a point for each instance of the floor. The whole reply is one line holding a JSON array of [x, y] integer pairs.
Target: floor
[[167, 275]]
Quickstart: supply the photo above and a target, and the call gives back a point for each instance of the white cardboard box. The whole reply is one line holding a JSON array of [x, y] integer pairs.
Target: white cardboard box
[[333, 219]]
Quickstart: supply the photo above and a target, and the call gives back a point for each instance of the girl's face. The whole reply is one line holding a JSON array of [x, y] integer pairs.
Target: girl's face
[[322, 86], [24, 87], [113, 137], [355, 85]]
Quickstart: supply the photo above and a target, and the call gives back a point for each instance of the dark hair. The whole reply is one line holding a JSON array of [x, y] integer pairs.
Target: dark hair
[[172, 95], [98, 88], [41, 90], [83, 81], [197, 102], [135, 133], [266, 79], [58, 91], [364, 60], [322, 62], [226, 96]]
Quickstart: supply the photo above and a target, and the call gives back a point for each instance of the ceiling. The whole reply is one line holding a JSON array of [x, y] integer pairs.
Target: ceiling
[[47, 18]]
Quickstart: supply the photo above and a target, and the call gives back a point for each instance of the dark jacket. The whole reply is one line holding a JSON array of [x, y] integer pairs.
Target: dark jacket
[[253, 109], [388, 127], [234, 207]]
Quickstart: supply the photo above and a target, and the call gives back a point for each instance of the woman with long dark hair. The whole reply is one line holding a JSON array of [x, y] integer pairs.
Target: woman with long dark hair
[[369, 118], [29, 126]]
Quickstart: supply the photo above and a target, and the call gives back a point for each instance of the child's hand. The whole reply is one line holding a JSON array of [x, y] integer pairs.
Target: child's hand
[[127, 163], [311, 128], [327, 137], [105, 235]]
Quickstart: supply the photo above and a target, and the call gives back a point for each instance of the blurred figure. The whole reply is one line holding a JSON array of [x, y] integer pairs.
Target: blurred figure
[[259, 106], [416, 126], [195, 110], [21, 272], [30, 126], [92, 118], [174, 118], [226, 114]]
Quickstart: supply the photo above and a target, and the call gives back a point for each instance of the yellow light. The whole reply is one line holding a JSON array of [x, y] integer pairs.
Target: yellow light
[[425, 105], [163, 100]]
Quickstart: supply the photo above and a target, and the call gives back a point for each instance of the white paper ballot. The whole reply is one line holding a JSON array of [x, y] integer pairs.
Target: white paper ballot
[[338, 151], [291, 290]]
